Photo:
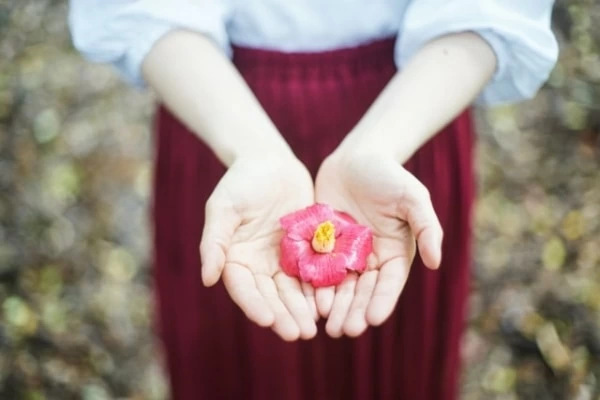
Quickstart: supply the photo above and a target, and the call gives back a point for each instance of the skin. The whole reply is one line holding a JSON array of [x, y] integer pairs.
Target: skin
[[364, 177], [241, 233]]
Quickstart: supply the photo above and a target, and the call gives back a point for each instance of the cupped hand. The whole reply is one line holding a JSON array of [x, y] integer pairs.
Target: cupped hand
[[240, 242], [379, 193]]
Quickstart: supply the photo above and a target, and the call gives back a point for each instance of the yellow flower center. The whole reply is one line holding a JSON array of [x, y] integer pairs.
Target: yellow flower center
[[324, 238]]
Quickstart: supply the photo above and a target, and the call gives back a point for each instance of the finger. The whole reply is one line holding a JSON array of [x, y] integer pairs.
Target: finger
[[430, 247], [372, 262], [324, 298], [309, 293], [284, 324], [390, 282], [220, 223], [417, 209], [341, 305], [356, 321], [242, 289], [290, 292]]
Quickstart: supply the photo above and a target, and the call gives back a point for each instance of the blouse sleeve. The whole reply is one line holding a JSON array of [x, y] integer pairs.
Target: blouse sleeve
[[122, 32], [517, 30]]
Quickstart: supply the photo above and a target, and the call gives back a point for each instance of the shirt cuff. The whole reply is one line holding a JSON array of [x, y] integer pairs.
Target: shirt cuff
[[142, 43], [122, 33], [525, 47]]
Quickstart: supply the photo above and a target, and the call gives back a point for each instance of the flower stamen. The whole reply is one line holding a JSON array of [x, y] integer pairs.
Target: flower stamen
[[324, 238]]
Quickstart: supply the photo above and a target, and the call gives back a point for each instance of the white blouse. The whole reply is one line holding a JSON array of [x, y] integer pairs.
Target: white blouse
[[121, 32]]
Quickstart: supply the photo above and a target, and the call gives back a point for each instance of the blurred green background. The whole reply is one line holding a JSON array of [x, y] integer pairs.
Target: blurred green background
[[75, 172]]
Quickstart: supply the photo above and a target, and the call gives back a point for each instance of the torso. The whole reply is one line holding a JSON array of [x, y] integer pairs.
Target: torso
[[312, 25]]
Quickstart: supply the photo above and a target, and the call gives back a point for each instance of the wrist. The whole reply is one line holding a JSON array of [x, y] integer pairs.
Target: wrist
[[268, 148], [378, 141], [435, 86], [395, 125]]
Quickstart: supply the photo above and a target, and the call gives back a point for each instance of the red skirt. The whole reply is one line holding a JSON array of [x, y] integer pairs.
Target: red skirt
[[212, 350]]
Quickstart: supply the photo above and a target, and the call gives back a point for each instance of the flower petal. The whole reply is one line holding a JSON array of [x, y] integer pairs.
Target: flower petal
[[301, 224], [323, 269], [356, 244], [341, 220], [291, 251]]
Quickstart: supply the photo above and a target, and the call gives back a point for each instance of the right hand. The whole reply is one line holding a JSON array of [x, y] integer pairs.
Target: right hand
[[240, 242], [379, 193]]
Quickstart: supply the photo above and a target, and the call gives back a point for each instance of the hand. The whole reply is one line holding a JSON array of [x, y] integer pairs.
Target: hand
[[240, 242], [379, 193]]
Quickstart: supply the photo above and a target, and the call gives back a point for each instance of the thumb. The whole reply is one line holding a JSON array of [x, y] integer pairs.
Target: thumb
[[417, 209], [220, 223]]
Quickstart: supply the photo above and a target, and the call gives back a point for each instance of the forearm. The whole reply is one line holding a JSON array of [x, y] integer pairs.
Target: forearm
[[435, 86], [205, 91]]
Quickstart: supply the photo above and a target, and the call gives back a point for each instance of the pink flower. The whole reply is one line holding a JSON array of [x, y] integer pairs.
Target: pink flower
[[321, 245]]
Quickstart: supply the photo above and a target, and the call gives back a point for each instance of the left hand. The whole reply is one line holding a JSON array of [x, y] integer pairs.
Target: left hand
[[379, 193], [240, 242]]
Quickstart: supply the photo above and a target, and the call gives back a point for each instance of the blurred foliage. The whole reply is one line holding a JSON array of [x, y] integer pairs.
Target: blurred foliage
[[75, 288], [535, 305], [75, 296]]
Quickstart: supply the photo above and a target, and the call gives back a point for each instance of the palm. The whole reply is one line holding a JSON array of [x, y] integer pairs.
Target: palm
[[243, 229], [379, 193], [369, 195]]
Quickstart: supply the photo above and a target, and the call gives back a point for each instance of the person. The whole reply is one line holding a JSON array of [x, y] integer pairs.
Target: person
[[270, 106]]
